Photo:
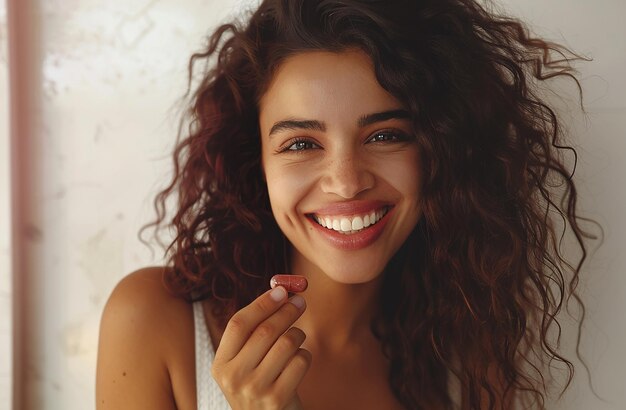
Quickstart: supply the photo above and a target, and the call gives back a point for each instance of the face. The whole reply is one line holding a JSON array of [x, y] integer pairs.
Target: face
[[341, 164]]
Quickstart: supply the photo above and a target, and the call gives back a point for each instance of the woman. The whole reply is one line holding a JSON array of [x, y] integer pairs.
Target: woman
[[396, 156]]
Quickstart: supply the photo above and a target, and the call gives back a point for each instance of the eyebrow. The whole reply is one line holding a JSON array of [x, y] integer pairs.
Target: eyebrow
[[315, 125], [382, 116]]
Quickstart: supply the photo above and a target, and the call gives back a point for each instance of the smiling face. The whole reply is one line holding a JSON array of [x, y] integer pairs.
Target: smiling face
[[341, 164]]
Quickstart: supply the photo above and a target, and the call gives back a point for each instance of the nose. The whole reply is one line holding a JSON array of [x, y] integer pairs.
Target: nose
[[346, 176]]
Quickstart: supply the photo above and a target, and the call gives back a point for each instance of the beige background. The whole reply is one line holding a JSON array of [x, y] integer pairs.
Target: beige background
[[93, 93]]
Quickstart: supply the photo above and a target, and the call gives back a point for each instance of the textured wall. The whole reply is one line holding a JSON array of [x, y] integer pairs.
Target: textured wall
[[96, 122]]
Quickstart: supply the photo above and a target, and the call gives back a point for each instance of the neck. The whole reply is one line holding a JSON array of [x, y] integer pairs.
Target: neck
[[338, 315]]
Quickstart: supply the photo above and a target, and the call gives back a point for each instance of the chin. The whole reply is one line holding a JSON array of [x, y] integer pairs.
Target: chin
[[351, 272]]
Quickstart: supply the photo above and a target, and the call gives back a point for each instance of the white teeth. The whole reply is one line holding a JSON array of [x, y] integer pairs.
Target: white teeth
[[346, 225], [351, 225]]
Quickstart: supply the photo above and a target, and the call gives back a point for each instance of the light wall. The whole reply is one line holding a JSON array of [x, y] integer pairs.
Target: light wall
[[596, 30], [94, 87]]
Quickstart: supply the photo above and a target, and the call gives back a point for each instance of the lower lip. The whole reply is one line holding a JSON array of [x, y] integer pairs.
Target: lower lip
[[353, 241]]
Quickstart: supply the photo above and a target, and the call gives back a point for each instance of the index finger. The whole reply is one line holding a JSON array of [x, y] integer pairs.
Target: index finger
[[243, 323]]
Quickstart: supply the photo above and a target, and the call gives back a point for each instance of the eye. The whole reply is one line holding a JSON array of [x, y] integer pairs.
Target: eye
[[298, 145], [389, 136]]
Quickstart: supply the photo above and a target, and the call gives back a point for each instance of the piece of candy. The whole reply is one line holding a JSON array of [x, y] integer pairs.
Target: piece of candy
[[293, 283]]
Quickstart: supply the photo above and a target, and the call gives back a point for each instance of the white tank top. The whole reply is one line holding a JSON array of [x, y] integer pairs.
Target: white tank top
[[208, 393]]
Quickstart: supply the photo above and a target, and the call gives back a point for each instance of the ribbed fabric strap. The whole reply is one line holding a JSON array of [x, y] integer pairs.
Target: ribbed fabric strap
[[208, 393]]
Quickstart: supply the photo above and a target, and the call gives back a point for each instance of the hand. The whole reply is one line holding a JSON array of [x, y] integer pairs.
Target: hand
[[259, 363]]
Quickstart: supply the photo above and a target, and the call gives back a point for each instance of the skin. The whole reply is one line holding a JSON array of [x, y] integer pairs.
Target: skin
[[341, 164], [280, 352]]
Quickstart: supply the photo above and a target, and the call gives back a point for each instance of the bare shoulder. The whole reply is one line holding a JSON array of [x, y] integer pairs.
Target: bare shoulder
[[143, 289], [145, 349], [141, 301]]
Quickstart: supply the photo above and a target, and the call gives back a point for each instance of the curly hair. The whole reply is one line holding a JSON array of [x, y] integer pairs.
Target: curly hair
[[476, 289]]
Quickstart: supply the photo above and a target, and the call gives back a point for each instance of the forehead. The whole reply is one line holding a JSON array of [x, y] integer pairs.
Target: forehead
[[323, 85]]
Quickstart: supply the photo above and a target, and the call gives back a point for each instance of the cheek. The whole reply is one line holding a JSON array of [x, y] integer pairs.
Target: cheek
[[287, 185], [405, 175]]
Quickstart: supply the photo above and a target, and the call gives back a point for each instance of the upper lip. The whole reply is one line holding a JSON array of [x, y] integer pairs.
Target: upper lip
[[350, 208]]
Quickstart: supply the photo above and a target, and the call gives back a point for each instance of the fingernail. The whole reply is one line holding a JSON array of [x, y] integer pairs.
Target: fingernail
[[297, 301], [278, 293]]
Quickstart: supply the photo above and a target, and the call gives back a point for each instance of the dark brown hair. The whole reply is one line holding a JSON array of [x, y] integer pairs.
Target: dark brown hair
[[476, 289]]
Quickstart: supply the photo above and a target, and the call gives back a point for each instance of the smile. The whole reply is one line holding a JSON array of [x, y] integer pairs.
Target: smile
[[349, 225]]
